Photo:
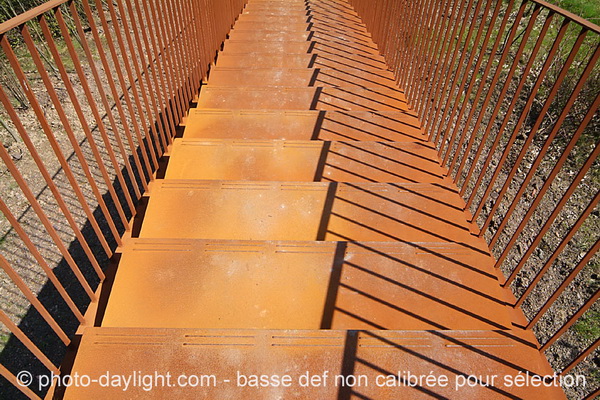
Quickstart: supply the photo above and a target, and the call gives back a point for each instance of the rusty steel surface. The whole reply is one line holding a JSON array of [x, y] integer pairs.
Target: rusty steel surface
[[238, 77], [307, 211], [250, 61], [280, 160], [303, 125], [276, 22], [299, 60], [281, 12], [315, 34], [226, 353], [332, 50], [303, 203], [349, 98], [304, 285]]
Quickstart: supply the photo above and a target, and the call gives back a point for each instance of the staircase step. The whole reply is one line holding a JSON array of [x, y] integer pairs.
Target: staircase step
[[314, 11], [299, 45], [219, 358], [255, 60], [239, 35], [303, 125], [275, 20], [314, 18], [279, 12], [316, 98], [264, 60], [251, 6], [254, 25], [306, 211], [346, 50], [307, 161], [305, 77], [304, 285], [337, 9]]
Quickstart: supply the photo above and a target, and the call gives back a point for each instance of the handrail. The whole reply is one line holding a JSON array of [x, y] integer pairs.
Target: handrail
[[29, 15], [567, 14]]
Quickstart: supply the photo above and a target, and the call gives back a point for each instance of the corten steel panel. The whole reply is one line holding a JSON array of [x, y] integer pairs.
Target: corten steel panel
[[318, 46], [335, 9], [263, 60], [296, 6], [304, 161], [332, 8], [281, 12], [247, 46], [225, 353], [321, 98], [274, 36], [293, 23], [304, 285], [293, 27], [331, 60], [276, 5], [244, 160], [274, 21], [345, 51], [238, 77], [303, 125], [306, 211]]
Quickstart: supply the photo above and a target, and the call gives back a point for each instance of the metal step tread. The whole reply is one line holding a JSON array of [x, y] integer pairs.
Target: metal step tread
[[297, 60], [248, 210], [284, 160], [299, 77], [339, 8], [392, 126], [315, 34], [348, 98], [298, 23], [318, 15], [300, 45], [343, 51], [219, 358], [304, 285]]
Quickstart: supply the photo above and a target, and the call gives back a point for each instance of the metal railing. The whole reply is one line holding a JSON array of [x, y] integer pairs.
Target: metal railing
[[93, 92], [509, 92]]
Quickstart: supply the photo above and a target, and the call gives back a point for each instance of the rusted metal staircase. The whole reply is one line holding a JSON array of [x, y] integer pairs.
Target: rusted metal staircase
[[308, 229], [304, 225]]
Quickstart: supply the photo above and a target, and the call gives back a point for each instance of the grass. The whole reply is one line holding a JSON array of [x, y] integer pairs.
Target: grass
[[4, 338], [588, 325], [588, 9]]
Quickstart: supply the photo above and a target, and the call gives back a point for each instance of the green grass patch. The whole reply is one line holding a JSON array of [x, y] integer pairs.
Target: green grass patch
[[4, 338], [588, 326], [588, 9]]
